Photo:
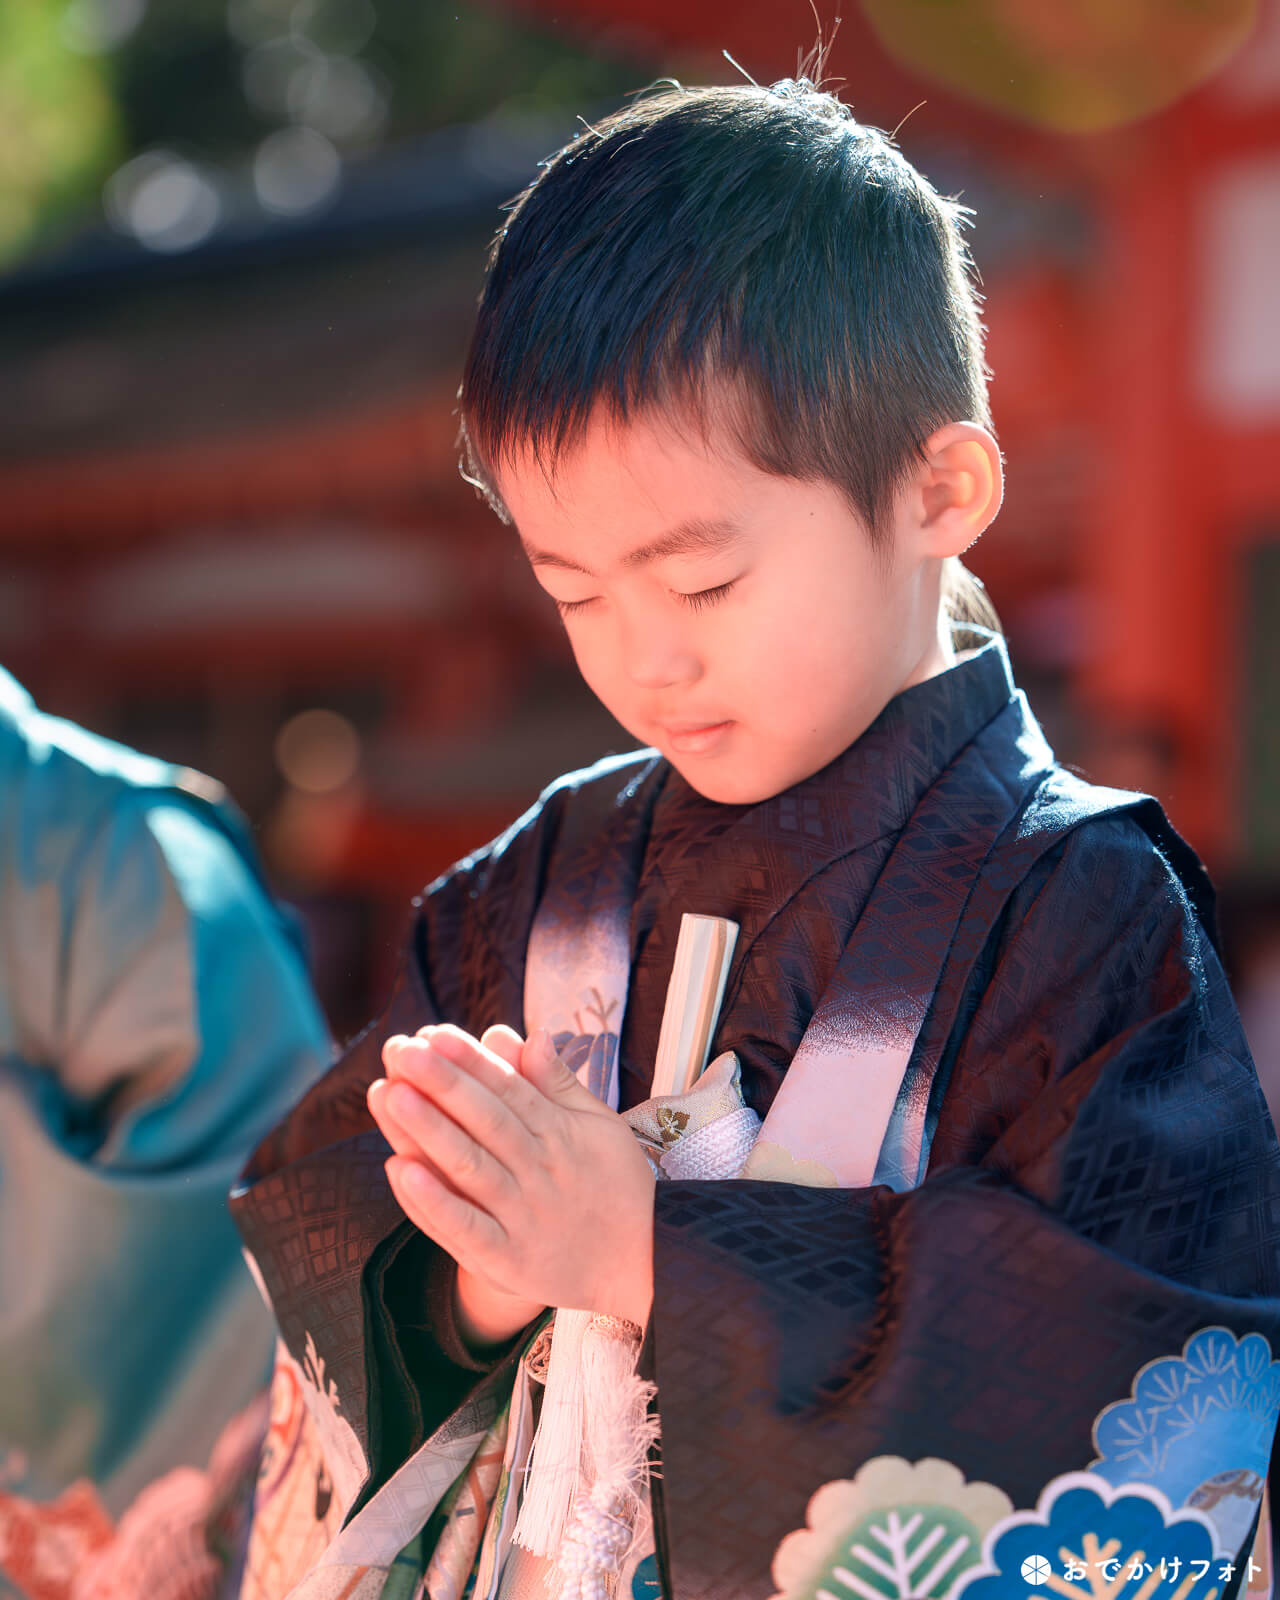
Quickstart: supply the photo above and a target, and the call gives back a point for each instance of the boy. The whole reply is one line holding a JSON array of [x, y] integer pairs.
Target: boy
[[998, 1284]]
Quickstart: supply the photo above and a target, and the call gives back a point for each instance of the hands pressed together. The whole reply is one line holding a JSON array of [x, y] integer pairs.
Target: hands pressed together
[[539, 1192]]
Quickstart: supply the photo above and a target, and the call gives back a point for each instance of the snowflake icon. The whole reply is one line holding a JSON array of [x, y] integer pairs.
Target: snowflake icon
[[1036, 1570]]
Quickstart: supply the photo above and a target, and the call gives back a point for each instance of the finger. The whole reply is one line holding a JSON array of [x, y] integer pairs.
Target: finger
[[469, 1167], [395, 1135], [542, 1067], [391, 1058], [472, 1237], [504, 1042], [464, 1050], [481, 1108], [451, 1047], [468, 1052], [393, 1132]]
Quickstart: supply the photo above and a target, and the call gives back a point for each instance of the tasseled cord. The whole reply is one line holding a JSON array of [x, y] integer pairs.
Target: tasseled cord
[[585, 1502]]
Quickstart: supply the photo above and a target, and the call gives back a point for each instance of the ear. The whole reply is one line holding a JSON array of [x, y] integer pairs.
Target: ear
[[959, 488]]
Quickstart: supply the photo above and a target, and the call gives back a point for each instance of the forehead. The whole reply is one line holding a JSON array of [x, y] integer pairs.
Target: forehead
[[629, 494], [634, 468]]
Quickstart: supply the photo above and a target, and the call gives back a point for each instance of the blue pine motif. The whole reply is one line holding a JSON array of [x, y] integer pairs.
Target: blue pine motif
[[1198, 1427], [590, 1053], [1088, 1540]]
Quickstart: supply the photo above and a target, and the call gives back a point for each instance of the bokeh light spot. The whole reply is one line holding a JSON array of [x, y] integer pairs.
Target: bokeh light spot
[[295, 170], [318, 751], [91, 26], [253, 22], [163, 200], [338, 96]]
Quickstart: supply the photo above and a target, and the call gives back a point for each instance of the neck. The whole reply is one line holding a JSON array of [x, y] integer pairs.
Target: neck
[[938, 654]]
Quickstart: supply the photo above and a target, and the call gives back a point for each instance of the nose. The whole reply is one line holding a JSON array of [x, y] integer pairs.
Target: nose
[[656, 654]]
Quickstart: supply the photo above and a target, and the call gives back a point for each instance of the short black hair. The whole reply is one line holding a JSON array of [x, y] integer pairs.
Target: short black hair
[[745, 241]]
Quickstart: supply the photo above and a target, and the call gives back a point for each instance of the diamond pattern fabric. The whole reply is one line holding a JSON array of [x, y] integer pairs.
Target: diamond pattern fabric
[[1080, 1173]]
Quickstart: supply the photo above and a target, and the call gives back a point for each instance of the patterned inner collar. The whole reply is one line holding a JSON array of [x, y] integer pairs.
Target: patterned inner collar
[[872, 787]]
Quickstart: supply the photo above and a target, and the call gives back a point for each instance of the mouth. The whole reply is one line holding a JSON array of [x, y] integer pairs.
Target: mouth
[[693, 738]]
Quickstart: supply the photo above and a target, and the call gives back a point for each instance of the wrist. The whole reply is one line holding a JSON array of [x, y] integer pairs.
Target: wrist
[[639, 1307], [634, 1292], [488, 1318]]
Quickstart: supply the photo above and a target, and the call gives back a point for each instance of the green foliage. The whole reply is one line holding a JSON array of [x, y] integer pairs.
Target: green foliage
[[59, 132], [210, 79]]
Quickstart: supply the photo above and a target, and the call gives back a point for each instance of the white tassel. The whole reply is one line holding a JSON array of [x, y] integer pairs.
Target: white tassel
[[619, 1430], [589, 1521], [612, 1511], [554, 1473]]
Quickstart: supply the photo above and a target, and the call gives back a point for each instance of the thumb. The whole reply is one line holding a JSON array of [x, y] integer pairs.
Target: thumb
[[545, 1070]]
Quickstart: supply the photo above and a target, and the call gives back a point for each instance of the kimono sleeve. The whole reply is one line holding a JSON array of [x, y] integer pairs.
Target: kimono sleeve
[[1060, 1343], [188, 1021], [364, 1314], [162, 1016]]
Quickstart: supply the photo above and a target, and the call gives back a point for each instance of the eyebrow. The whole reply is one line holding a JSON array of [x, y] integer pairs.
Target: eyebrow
[[695, 537]]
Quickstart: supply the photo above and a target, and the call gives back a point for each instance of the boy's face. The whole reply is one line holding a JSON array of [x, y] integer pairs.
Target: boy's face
[[739, 621]]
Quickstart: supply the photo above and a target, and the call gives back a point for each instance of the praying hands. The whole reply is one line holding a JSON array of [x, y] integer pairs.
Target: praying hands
[[539, 1192]]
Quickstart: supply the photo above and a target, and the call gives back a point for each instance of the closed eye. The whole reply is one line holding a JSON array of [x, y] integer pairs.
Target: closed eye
[[707, 597], [698, 601]]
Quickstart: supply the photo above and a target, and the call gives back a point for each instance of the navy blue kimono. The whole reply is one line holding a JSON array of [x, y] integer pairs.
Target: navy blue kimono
[[1052, 1340]]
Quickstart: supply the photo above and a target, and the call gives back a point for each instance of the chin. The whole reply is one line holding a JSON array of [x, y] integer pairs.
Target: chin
[[727, 788], [743, 782]]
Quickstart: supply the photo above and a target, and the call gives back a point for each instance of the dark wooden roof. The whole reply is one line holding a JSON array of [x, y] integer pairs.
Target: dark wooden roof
[[361, 308]]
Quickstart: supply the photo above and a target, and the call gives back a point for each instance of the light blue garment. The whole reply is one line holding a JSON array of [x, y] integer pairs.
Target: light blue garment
[[155, 1019]]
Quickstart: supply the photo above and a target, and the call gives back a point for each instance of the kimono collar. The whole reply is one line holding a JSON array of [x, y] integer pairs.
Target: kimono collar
[[873, 786], [14, 700]]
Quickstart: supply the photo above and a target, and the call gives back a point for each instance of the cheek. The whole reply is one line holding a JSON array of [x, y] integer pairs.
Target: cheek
[[580, 644], [815, 659], [597, 664], [811, 643]]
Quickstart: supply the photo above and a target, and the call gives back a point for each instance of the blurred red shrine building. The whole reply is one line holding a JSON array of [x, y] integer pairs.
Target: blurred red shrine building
[[229, 494]]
